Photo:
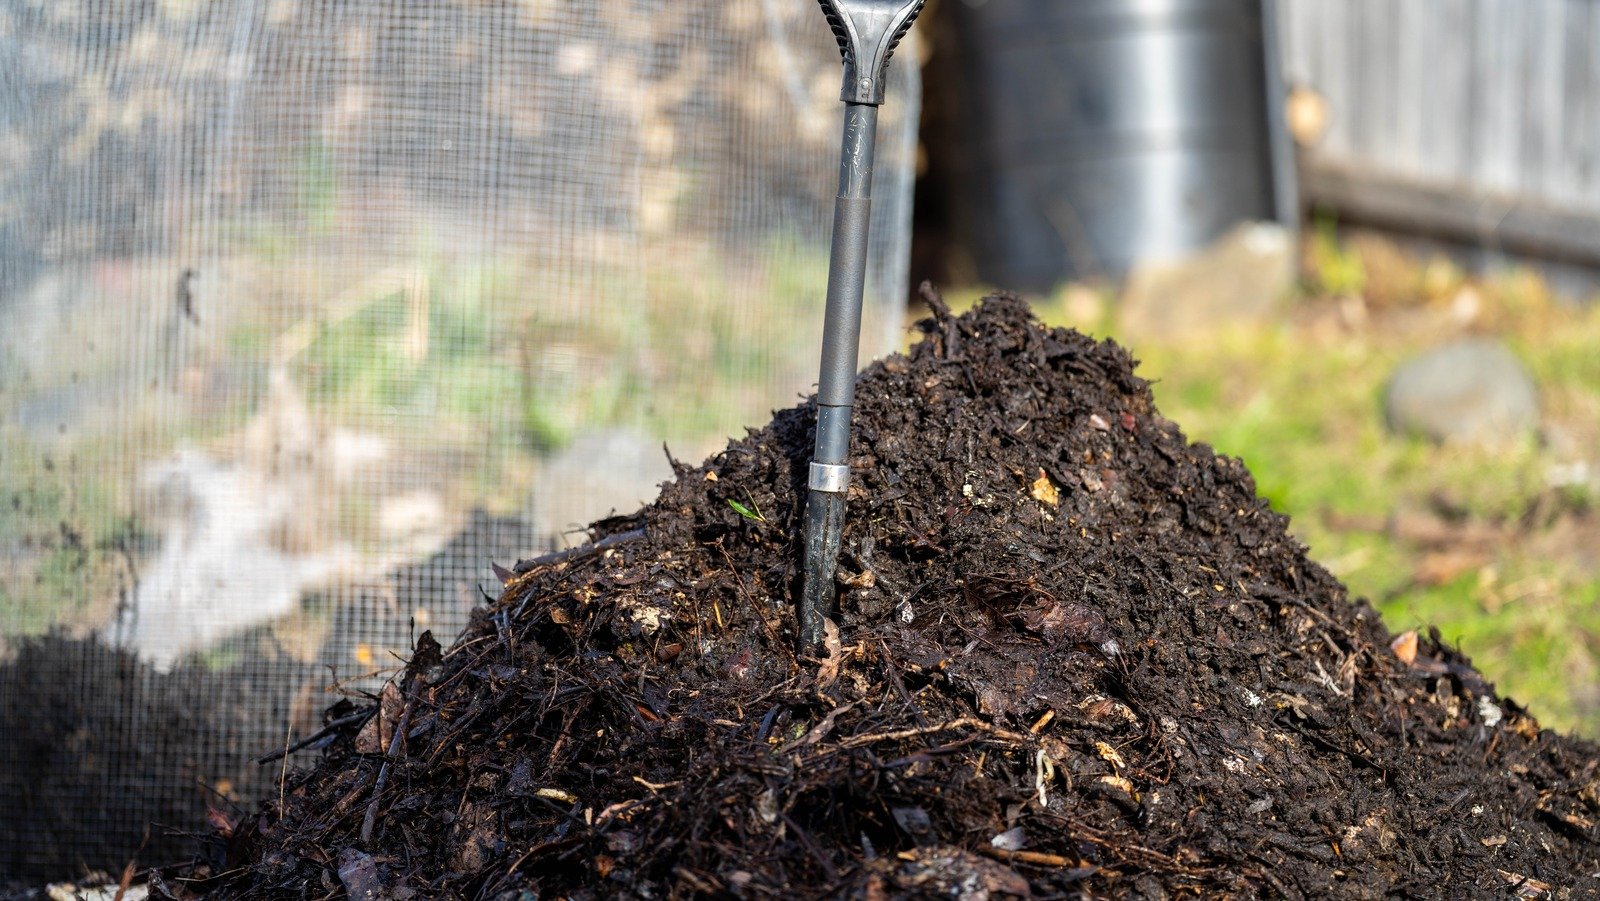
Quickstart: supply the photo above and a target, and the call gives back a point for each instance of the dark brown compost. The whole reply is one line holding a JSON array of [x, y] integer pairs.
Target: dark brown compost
[[1076, 655]]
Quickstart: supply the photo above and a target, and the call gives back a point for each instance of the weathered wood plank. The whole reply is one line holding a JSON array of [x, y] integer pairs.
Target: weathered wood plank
[[1572, 104], [1337, 78], [1583, 148], [1501, 76], [1448, 107], [1542, 118], [1415, 43], [1301, 50], [1497, 100], [1393, 92], [1570, 235]]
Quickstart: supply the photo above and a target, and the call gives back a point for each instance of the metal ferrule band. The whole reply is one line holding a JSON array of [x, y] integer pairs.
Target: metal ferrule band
[[830, 477]]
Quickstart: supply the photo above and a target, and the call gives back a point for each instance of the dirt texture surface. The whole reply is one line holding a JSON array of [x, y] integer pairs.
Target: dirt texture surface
[[1075, 655]]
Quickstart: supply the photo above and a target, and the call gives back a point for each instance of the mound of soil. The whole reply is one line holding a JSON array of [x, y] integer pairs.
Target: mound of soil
[[1075, 655]]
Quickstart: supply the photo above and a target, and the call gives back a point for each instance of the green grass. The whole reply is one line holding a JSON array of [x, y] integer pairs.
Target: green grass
[[640, 351], [66, 535]]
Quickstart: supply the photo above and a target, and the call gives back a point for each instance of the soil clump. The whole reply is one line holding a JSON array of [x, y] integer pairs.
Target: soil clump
[[1075, 655]]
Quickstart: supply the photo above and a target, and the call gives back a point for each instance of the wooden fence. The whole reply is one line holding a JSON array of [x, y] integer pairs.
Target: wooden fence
[[1477, 120]]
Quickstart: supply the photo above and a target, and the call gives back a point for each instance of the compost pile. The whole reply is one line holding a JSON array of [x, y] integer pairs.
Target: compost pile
[[1074, 654]]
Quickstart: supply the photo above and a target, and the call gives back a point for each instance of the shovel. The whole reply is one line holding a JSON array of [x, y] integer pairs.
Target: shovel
[[867, 31]]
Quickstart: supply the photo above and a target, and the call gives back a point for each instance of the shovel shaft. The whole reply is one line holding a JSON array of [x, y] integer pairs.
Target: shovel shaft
[[824, 529], [868, 32], [847, 267], [841, 338]]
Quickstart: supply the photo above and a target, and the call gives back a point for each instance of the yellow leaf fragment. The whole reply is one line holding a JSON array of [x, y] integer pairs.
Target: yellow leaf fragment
[[1405, 647], [1044, 491], [1121, 784], [1110, 755], [1524, 886]]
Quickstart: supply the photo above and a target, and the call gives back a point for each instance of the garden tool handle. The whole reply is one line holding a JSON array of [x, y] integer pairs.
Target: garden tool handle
[[868, 32]]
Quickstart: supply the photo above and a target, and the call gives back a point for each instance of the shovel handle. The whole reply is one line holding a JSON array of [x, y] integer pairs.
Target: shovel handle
[[867, 32]]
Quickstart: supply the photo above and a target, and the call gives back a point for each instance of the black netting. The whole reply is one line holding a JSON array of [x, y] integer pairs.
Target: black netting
[[310, 308]]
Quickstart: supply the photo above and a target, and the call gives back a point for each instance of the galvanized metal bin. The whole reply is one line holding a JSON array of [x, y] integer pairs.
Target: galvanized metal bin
[[1104, 133]]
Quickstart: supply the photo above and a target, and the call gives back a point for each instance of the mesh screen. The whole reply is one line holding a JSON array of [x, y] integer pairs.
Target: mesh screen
[[310, 308]]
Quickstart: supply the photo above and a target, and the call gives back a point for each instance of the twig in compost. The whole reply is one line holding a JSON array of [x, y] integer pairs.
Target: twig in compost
[[371, 816], [738, 584], [899, 685], [130, 869], [1266, 874], [1334, 748], [942, 317], [928, 753], [1037, 858], [357, 718], [658, 786], [283, 773], [577, 553], [819, 731], [811, 846], [965, 722]]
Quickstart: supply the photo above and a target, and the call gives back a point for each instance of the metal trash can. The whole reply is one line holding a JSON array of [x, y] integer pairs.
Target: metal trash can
[[1104, 133]]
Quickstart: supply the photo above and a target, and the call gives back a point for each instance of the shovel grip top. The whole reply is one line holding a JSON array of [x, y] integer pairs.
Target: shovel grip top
[[867, 32]]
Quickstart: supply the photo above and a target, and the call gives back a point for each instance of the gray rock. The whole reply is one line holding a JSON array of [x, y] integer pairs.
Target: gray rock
[[1473, 391]]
